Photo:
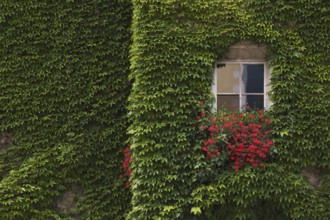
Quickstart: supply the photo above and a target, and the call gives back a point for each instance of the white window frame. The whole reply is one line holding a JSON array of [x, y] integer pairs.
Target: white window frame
[[267, 73]]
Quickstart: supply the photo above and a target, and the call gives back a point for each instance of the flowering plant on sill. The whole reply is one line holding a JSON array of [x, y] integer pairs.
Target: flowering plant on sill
[[232, 140]]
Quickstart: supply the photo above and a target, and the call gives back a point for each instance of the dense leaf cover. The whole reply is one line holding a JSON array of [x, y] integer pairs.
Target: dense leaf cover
[[64, 70], [175, 45], [64, 84]]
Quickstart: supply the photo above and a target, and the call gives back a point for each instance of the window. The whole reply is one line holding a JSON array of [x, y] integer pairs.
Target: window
[[241, 78]]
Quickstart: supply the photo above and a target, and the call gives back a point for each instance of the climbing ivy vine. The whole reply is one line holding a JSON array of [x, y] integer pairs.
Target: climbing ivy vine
[[67, 103], [175, 45], [64, 85]]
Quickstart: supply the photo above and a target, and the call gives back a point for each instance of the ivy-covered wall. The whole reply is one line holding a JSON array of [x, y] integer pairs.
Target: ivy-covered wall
[[64, 84], [175, 46], [64, 68]]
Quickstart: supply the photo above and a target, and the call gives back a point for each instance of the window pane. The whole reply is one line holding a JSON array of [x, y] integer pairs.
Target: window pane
[[228, 78], [228, 102], [253, 78], [254, 101]]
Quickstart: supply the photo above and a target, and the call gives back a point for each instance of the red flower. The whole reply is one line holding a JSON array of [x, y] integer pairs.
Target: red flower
[[198, 117], [247, 137], [238, 136], [253, 148], [227, 125], [213, 128], [265, 149], [201, 102], [253, 135], [126, 164], [211, 141], [241, 145]]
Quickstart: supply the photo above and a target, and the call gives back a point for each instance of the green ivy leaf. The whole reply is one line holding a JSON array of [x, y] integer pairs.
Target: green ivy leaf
[[196, 210]]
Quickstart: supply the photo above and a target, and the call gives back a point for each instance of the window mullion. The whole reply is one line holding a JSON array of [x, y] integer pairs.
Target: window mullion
[[240, 86]]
